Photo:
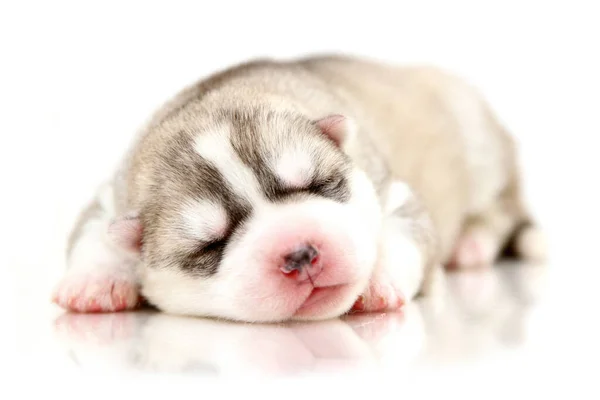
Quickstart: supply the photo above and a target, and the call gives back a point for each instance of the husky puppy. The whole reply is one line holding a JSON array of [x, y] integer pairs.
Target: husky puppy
[[301, 190]]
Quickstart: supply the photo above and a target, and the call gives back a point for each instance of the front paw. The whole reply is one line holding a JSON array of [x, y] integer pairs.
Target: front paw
[[379, 296], [88, 293]]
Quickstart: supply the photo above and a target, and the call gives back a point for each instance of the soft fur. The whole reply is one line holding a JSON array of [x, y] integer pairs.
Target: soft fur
[[392, 171]]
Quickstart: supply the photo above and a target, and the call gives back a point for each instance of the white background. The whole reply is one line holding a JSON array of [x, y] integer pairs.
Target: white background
[[78, 78]]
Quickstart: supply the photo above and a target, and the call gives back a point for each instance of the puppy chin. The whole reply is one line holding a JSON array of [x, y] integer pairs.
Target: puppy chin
[[338, 303]]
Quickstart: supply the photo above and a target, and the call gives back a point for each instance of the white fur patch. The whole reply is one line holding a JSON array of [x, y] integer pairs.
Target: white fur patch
[[204, 220], [403, 261], [215, 147], [398, 194], [106, 199], [92, 251], [294, 168], [400, 255]]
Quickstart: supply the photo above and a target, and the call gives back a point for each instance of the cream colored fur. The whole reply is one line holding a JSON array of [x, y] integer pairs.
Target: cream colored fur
[[417, 126]]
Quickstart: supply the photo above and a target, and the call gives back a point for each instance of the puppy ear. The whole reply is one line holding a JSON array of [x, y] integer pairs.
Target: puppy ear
[[126, 232], [339, 128]]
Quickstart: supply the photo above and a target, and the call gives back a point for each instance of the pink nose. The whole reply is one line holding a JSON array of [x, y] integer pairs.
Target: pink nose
[[303, 263]]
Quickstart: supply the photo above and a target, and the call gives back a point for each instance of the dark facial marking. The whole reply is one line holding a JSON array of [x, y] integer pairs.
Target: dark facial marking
[[247, 144], [335, 187], [185, 173], [207, 257]]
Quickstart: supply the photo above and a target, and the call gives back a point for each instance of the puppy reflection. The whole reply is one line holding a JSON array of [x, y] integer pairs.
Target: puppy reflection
[[158, 342], [480, 312], [484, 311]]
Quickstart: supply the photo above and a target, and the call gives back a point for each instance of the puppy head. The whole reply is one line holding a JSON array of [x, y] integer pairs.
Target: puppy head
[[257, 217]]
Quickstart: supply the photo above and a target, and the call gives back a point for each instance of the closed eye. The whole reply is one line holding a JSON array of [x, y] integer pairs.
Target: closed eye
[[330, 184], [332, 187], [209, 247], [205, 258], [215, 245]]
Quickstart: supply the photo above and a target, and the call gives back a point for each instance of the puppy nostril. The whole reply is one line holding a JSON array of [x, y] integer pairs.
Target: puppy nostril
[[300, 258]]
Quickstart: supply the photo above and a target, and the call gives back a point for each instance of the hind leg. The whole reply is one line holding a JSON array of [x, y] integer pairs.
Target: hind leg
[[480, 242], [100, 274], [504, 224]]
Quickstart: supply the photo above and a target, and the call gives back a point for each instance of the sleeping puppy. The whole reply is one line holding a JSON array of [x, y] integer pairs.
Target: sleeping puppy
[[301, 190]]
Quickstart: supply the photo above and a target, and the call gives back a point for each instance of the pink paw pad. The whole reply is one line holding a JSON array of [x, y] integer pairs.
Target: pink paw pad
[[92, 295], [379, 298]]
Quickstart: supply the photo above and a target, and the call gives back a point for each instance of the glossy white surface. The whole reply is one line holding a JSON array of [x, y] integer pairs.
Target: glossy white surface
[[513, 331], [78, 80], [486, 315], [511, 320]]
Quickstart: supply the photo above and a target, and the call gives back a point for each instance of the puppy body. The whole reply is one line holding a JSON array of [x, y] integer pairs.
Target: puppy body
[[423, 176]]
